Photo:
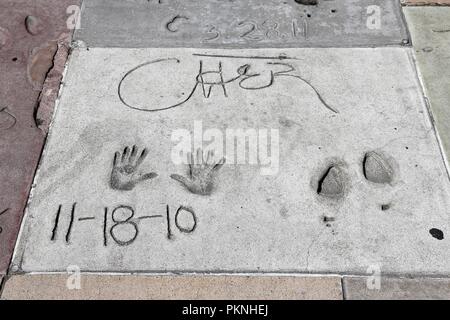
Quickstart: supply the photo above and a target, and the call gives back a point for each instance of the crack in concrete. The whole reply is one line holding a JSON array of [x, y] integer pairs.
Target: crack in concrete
[[308, 253]]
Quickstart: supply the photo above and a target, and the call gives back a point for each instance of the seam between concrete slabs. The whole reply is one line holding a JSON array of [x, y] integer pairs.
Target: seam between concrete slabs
[[343, 289], [241, 273], [406, 27], [2, 285], [82, 44], [169, 273], [425, 5]]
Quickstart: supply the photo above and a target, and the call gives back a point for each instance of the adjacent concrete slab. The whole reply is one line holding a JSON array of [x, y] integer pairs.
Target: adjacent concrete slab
[[354, 178], [241, 23], [172, 287], [362, 288], [33, 49], [430, 28], [426, 2]]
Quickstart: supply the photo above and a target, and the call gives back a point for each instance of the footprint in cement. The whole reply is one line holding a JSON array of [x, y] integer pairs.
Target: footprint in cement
[[33, 25], [202, 172], [307, 2], [332, 183], [377, 169]]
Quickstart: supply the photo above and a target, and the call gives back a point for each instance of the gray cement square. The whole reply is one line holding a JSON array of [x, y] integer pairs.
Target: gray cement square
[[241, 23], [339, 171]]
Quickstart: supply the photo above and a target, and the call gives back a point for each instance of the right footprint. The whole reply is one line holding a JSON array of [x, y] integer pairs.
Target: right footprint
[[377, 169]]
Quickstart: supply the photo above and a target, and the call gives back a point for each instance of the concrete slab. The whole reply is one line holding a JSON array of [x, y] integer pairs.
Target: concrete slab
[[241, 23], [426, 2], [430, 28], [33, 49], [358, 288], [342, 171], [140, 287]]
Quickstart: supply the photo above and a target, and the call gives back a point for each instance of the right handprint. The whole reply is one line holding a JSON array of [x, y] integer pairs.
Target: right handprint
[[201, 174]]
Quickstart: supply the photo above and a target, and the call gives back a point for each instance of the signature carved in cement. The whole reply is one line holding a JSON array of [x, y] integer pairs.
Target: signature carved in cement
[[206, 80], [202, 172], [125, 173]]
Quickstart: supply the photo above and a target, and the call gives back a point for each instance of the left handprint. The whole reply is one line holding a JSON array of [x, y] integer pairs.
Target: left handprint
[[125, 173]]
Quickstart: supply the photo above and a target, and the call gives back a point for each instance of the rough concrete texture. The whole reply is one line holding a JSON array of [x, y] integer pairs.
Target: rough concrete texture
[[241, 23], [104, 205], [426, 2], [142, 287], [33, 48], [364, 288], [430, 28]]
